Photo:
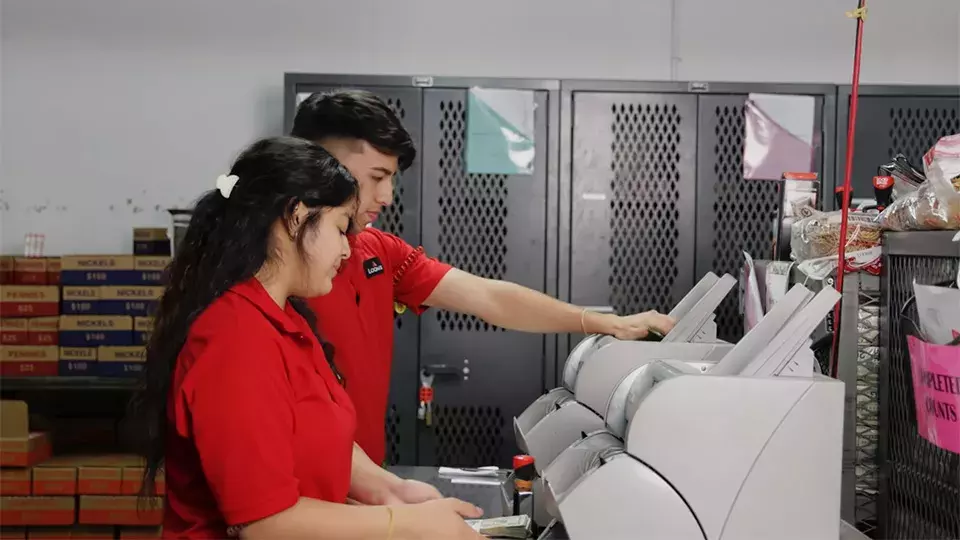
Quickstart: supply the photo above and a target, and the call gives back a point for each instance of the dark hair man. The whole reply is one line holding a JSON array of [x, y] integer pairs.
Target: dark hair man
[[364, 134]]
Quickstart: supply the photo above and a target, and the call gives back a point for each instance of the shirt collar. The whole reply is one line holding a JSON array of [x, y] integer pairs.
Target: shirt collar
[[284, 319]]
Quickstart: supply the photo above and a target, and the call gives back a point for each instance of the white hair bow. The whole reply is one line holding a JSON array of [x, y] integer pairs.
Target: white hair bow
[[225, 184]]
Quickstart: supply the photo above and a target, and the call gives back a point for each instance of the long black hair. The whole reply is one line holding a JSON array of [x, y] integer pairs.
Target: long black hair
[[226, 243], [355, 114]]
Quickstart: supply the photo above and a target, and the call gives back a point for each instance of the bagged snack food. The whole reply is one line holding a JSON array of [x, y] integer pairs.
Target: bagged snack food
[[818, 235], [936, 203]]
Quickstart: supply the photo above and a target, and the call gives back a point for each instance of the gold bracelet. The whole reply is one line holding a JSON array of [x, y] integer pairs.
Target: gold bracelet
[[390, 523], [583, 315]]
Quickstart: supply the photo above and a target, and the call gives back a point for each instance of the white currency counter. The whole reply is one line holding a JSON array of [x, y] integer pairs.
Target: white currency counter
[[598, 364], [497, 500], [747, 448]]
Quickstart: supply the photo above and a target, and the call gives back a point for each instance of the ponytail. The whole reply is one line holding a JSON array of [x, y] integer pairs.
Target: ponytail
[[201, 271]]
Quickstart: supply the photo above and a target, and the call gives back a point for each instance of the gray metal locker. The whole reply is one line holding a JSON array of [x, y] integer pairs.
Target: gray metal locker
[[402, 218], [734, 214], [633, 219], [652, 176], [892, 120], [494, 226]]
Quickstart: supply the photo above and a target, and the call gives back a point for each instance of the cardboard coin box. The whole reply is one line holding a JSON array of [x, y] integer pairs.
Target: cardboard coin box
[[98, 270], [121, 361], [138, 301], [133, 482], [99, 480], [96, 474], [51, 478], [29, 301], [120, 510], [20, 511], [151, 241], [43, 330], [80, 300], [142, 327], [96, 330], [30, 271], [78, 361], [53, 270], [13, 533], [14, 331], [6, 270], [14, 482], [151, 269], [28, 360], [19, 447]]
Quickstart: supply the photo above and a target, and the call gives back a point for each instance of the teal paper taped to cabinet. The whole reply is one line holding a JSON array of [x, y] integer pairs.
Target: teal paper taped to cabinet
[[500, 131]]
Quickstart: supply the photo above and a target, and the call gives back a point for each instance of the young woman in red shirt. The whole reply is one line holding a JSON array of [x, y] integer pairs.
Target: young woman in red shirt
[[242, 403]]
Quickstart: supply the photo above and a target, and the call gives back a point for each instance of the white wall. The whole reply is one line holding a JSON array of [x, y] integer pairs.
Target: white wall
[[113, 110]]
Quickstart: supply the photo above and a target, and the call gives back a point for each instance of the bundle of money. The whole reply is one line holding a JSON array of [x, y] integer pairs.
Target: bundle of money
[[502, 527]]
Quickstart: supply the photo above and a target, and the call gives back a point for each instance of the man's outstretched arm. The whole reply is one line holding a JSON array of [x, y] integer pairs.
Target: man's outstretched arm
[[515, 307]]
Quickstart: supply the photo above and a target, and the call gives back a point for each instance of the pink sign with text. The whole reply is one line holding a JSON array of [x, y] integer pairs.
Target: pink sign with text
[[936, 389]]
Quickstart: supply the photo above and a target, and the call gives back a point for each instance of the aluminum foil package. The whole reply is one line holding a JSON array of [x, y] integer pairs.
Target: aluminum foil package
[[907, 178]]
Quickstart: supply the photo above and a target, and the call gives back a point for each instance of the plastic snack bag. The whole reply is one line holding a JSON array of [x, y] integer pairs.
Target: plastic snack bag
[[935, 205], [818, 235]]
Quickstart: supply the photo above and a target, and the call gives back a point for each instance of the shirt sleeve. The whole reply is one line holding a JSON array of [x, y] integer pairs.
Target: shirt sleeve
[[241, 419], [415, 275]]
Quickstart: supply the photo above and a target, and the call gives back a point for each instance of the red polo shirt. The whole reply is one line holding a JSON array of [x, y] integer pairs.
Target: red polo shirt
[[256, 416], [357, 318]]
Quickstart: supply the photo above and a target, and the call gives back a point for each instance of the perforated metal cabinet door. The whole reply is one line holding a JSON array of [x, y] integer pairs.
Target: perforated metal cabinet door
[[492, 226], [919, 482], [634, 182], [402, 218], [733, 214], [891, 124]]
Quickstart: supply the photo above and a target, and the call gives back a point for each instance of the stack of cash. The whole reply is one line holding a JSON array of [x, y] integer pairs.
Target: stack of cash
[[502, 527]]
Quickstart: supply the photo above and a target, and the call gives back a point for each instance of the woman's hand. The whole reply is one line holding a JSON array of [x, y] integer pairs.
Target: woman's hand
[[441, 518], [413, 492]]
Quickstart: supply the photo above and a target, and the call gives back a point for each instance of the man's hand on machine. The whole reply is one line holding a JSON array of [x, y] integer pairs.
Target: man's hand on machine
[[630, 327], [515, 307]]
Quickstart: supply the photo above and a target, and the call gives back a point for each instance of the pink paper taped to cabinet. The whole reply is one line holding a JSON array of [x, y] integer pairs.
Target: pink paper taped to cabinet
[[778, 136], [936, 390]]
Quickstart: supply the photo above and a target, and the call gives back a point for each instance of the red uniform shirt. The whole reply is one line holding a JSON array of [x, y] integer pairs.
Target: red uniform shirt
[[357, 318], [257, 418]]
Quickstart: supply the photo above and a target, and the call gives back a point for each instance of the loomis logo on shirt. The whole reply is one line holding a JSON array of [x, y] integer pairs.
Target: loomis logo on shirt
[[372, 267]]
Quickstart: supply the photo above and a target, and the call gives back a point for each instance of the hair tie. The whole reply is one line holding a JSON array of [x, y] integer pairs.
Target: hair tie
[[225, 184]]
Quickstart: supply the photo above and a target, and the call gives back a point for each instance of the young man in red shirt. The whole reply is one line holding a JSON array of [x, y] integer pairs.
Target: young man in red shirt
[[364, 134]]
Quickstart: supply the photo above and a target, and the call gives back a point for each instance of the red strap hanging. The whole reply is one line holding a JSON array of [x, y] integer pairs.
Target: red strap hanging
[[861, 15]]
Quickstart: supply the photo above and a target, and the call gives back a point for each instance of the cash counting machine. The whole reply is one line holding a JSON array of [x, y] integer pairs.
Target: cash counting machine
[[749, 449], [598, 363]]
